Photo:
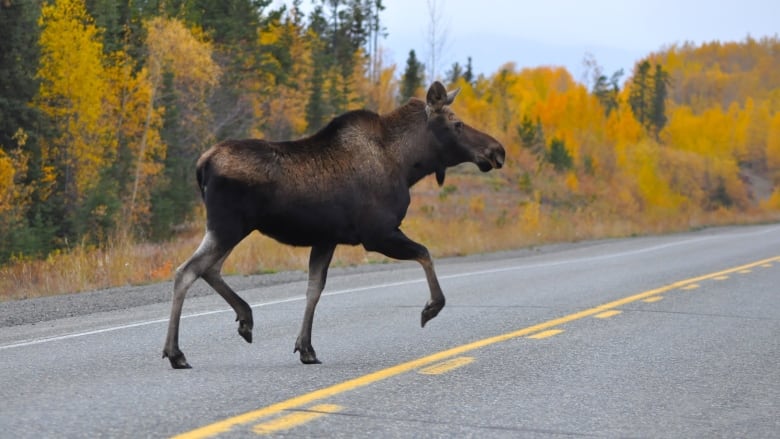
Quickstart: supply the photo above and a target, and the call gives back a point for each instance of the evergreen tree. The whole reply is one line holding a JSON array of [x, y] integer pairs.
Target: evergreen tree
[[175, 196], [531, 135], [19, 54], [648, 97], [468, 74], [316, 108], [111, 16], [454, 73], [375, 30], [640, 93], [29, 230], [658, 109], [559, 156], [412, 78], [608, 90]]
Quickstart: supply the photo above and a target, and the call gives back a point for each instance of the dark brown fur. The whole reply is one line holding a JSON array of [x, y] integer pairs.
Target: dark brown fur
[[347, 184]]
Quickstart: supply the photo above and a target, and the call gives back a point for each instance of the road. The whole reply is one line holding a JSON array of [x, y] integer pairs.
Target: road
[[668, 336]]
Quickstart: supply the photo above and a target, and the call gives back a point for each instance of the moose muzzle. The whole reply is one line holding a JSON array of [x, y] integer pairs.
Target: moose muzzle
[[492, 158]]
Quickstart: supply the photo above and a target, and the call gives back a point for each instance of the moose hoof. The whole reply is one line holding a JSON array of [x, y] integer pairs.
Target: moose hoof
[[177, 360], [308, 356], [430, 311], [245, 330]]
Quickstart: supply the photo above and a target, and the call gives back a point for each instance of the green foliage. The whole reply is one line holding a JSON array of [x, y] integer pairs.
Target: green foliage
[[639, 98], [607, 90], [412, 78], [454, 73], [458, 71], [649, 90], [658, 117], [559, 156], [531, 135], [468, 74], [447, 191], [26, 221]]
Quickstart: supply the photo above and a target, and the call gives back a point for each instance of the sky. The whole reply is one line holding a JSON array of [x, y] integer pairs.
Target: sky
[[616, 33]]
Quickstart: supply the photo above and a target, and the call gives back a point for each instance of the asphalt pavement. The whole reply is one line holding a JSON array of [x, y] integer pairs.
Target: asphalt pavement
[[666, 336]]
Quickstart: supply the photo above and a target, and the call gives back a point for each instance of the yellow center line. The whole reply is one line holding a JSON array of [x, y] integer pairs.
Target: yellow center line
[[724, 277], [545, 334], [653, 299], [298, 401], [690, 287], [295, 419], [446, 366], [607, 314], [745, 271]]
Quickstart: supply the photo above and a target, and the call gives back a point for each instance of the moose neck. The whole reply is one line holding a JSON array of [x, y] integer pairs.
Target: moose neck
[[409, 143]]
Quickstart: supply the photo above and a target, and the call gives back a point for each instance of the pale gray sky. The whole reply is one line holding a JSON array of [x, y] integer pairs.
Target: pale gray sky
[[560, 32]]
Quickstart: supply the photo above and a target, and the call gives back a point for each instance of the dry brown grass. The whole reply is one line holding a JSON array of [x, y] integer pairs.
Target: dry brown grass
[[473, 213]]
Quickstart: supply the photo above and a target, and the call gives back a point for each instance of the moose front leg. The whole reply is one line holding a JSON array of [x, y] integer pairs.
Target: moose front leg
[[398, 246], [319, 260], [436, 302]]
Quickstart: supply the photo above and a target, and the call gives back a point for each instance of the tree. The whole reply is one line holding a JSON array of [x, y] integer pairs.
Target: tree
[[468, 74], [454, 73], [437, 37], [657, 114], [15, 232], [412, 78], [285, 60], [531, 135], [341, 33], [375, 30], [138, 164], [639, 98], [559, 156], [181, 73], [19, 53], [647, 97], [608, 91], [72, 93], [25, 228], [316, 108]]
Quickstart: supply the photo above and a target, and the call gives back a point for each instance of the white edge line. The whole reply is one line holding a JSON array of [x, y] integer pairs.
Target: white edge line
[[384, 285]]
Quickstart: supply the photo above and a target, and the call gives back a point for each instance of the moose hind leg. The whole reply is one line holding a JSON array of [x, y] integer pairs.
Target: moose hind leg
[[319, 260], [399, 246], [207, 254], [243, 311]]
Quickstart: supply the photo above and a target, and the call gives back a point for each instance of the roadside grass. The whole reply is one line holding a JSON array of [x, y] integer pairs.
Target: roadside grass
[[470, 214]]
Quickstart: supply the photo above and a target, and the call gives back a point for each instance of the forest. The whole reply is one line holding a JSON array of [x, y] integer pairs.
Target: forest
[[105, 106]]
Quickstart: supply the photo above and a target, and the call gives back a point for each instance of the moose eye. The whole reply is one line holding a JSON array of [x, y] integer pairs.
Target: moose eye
[[458, 125]]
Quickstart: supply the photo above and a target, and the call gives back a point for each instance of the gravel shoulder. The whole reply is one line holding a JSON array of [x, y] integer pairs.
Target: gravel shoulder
[[41, 309]]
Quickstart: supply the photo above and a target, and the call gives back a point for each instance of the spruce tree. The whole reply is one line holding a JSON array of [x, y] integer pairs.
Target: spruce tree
[[412, 78]]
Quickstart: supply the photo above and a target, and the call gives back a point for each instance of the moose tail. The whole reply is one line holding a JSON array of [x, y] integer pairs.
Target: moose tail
[[201, 173]]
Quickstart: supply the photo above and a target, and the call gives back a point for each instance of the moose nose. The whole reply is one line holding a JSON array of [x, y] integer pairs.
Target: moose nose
[[498, 154]]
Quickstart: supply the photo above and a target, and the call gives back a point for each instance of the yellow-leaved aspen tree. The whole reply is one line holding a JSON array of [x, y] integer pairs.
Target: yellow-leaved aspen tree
[[72, 92], [181, 52]]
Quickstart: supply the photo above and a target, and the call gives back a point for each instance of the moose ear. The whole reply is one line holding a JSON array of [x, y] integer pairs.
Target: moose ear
[[451, 95], [437, 96]]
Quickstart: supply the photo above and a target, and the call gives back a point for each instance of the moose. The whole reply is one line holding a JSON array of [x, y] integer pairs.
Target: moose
[[346, 184]]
